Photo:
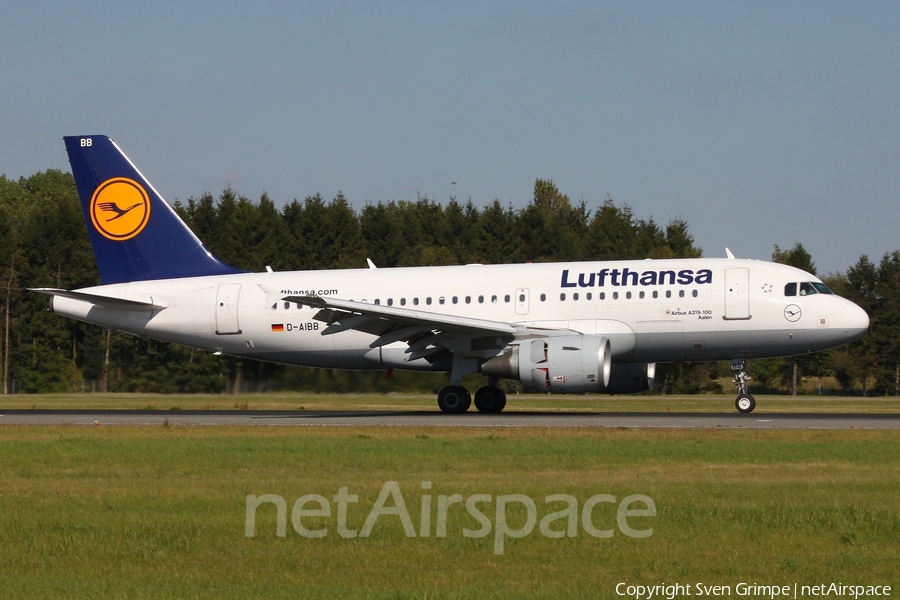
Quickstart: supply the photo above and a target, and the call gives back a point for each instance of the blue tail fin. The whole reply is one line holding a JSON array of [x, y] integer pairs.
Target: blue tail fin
[[134, 233]]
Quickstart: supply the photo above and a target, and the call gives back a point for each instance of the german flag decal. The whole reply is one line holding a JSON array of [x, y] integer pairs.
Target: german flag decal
[[278, 327]]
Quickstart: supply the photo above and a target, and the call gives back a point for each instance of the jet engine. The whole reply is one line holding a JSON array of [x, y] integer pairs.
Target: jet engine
[[631, 378], [564, 364]]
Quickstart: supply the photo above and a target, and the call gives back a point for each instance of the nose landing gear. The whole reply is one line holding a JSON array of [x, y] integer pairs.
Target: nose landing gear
[[745, 403]]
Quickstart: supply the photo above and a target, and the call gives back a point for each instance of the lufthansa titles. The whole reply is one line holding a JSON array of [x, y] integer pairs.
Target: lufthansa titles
[[628, 278]]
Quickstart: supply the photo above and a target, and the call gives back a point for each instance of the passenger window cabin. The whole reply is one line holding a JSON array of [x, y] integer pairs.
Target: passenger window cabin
[[805, 288]]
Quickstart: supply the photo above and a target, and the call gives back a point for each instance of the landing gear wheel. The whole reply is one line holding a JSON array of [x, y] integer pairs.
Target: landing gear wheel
[[490, 399], [745, 403], [454, 399]]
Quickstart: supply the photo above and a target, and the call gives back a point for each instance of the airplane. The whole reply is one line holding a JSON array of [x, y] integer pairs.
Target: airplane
[[576, 327]]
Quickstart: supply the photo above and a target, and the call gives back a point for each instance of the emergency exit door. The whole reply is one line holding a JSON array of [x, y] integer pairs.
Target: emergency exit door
[[522, 301]]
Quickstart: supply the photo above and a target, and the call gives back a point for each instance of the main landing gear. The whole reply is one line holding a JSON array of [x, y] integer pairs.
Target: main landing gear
[[455, 399], [745, 403]]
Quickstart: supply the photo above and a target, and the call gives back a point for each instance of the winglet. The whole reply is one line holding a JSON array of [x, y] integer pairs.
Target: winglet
[[136, 236]]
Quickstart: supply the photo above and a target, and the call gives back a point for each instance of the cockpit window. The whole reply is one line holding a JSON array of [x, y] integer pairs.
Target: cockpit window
[[807, 289]]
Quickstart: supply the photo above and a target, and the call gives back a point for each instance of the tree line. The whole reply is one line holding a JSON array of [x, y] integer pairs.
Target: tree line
[[44, 243]]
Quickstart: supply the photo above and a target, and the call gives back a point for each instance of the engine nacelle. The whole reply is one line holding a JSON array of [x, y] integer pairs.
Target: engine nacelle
[[631, 378], [565, 364]]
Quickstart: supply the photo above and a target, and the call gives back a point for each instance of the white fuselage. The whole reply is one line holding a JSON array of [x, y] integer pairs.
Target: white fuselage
[[651, 310]]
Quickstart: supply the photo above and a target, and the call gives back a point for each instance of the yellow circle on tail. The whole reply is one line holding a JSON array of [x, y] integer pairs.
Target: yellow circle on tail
[[120, 209]]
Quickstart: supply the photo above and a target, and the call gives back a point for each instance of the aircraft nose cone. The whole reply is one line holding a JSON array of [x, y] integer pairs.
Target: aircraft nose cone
[[855, 321]]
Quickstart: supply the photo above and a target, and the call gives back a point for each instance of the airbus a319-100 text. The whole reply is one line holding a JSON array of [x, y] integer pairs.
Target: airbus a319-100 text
[[556, 327]]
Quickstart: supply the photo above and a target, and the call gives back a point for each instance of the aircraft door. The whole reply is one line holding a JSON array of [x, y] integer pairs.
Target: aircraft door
[[522, 301], [737, 293], [227, 309]]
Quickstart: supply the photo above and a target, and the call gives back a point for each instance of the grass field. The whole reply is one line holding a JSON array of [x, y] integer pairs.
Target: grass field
[[524, 402], [160, 512]]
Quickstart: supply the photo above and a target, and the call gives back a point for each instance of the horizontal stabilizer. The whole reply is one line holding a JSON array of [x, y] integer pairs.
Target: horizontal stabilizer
[[104, 301]]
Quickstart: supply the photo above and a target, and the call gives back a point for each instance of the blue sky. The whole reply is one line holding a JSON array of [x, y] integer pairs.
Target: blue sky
[[759, 123]]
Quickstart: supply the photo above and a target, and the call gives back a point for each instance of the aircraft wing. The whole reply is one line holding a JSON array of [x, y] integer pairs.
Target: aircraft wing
[[426, 333], [335, 310]]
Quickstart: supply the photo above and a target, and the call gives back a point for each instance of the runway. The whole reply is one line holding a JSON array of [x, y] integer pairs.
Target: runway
[[756, 420]]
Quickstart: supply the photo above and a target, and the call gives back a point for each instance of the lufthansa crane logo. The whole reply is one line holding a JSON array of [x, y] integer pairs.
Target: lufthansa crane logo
[[792, 313], [120, 209]]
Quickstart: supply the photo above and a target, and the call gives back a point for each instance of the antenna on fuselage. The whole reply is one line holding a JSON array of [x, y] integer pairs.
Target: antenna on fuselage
[[728, 254]]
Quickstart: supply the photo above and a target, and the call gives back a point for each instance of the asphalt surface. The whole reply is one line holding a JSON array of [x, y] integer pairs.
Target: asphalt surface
[[756, 420]]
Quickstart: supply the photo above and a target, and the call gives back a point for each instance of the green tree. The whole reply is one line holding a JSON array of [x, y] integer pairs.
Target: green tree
[[794, 368], [344, 242], [55, 252], [383, 239], [611, 232], [550, 228], [851, 363], [679, 241], [43, 237], [325, 236], [8, 246], [496, 235], [796, 257]]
